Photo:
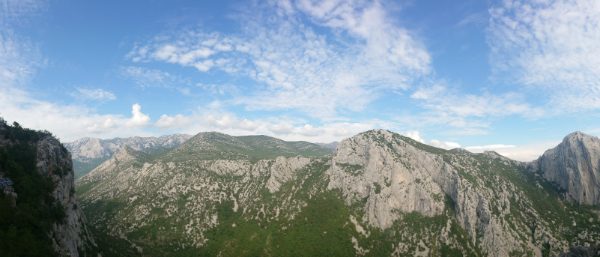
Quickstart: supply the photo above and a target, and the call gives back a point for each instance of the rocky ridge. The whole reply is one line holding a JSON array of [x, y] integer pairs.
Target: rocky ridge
[[87, 153], [385, 195]]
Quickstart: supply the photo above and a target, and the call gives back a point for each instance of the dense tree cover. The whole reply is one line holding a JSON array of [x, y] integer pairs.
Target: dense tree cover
[[25, 226]]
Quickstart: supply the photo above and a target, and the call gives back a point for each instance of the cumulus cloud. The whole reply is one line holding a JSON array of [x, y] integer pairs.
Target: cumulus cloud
[[444, 144], [416, 135], [295, 66], [166, 121], [138, 118], [97, 94], [549, 45]]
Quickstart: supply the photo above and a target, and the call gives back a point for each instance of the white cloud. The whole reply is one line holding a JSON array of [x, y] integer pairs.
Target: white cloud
[[525, 152], [481, 148], [416, 135], [466, 113], [153, 78], [138, 118], [443, 100], [550, 45], [166, 121], [18, 59], [297, 67], [14, 11], [68, 122], [476, 19], [97, 94], [444, 144], [215, 119]]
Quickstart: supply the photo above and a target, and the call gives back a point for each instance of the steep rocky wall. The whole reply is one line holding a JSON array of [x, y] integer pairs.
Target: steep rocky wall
[[393, 177], [54, 161], [574, 166]]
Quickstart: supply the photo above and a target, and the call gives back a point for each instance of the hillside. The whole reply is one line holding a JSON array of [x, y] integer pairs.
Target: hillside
[[378, 194], [218, 146]]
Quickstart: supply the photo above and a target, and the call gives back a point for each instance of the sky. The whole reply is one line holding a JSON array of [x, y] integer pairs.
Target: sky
[[512, 76]]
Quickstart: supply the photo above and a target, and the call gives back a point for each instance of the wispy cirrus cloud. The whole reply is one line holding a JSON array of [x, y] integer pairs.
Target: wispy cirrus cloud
[[295, 66], [95, 94], [463, 113], [550, 46], [14, 12], [154, 78], [19, 59]]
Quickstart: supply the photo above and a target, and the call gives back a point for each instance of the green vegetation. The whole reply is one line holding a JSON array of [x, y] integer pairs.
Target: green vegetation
[[84, 167], [320, 229], [25, 226], [353, 169], [568, 220], [212, 146]]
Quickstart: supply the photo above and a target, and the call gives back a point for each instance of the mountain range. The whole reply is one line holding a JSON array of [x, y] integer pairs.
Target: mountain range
[[87, 153], [377, 194]]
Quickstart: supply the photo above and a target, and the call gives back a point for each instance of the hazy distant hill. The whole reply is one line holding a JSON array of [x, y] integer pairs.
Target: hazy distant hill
[[88, 153]]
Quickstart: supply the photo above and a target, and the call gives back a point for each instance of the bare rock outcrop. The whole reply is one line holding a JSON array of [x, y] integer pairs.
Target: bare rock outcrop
[[389, 178], [574, 166], [54, 162]]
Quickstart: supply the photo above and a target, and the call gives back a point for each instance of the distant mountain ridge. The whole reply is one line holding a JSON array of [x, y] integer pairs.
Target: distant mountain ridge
[[215, 145], [378, 194], [88, 153]]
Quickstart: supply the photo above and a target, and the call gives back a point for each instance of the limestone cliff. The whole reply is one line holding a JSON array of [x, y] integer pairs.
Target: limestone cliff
[[43, 206], [574, 167], [70, 237]]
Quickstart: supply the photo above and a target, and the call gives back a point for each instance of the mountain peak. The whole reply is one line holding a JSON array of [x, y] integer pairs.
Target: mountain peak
[[126, 153], [574, 165], [578, 135]]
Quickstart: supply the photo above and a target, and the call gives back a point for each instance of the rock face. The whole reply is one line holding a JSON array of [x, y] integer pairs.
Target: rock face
[[574, 166], [394, 175], [42, 172], [87, 153], [54, 162], [392, 179], [378, 194]]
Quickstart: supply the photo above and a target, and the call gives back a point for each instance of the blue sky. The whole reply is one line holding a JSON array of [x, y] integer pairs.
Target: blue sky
[[513, 76]]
